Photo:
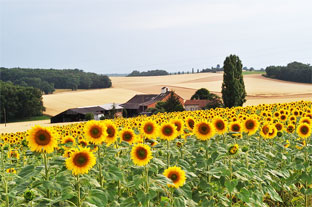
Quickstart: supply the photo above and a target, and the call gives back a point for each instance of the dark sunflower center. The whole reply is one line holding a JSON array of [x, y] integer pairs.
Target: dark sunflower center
[[278, 126], [204, 129], [265, 130], [178, 125], [110, 131], [81, 159], [220, 125], [304, 130], [191, 123], [42, 137], [174, 177], [167, 131], [141, 153], [290, 128], [69, 141], [235, 128], [148, 128], [95, 132], [127, 136], [250, 124]]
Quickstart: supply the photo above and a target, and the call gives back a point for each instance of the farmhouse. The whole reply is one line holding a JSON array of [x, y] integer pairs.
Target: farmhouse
[[79, 114], [194, 105], [140, 103]]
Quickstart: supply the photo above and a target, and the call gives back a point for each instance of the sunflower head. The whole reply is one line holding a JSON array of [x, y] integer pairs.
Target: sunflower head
[[127, 135], [290, 128], [304, 130], [29, 195], [220, 125], [190, 123], [250, 126], [204, 130], [13, 154], [42, 139], [167, 131], [233, 149], [235, 127], [95, 132], [178, 123], [286, 144], [11, 170], [141, 154], [81, 161], [176, 175], [149, 129]]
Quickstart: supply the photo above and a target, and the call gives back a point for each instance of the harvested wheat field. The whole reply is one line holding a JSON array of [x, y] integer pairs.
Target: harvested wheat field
[[259, 90]]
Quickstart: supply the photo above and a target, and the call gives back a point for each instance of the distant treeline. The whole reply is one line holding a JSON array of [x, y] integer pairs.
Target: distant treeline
[[47, 80], [294, 71], [148, 73], [19, 101]]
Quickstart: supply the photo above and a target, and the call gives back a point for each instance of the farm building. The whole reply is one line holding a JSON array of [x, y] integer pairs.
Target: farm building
[[79, 114], [140, 103], [193, 105]]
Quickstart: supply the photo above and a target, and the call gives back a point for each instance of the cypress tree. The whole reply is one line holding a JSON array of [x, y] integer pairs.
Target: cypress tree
[[233, 87]]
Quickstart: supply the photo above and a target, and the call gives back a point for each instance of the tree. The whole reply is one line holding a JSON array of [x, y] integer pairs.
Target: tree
[[204, 94], [233, 87], [170, 105]]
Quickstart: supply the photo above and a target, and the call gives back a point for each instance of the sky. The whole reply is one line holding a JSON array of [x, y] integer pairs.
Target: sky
[[119, 36]]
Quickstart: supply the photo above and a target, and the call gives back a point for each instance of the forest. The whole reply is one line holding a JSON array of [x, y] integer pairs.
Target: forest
[[47, 80]]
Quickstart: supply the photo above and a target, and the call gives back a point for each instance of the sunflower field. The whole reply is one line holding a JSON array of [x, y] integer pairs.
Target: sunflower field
[[242, 156]]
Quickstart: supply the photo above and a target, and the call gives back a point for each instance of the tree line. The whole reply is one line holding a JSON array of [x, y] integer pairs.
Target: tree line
[[47, 80], [295, 71], [148, 73], [19, 101]]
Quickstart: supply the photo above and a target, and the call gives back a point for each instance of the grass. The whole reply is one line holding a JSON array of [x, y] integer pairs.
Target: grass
[[253, 72], [33, 118]]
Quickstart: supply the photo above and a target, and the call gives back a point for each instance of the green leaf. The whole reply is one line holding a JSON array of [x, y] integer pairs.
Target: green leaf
[[97, 197], [230, 185], [179, 201], [244, 195], [26, 171], [274, 195]]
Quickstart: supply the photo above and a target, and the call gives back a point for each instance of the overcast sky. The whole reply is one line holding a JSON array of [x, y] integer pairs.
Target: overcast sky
[[118, 36]]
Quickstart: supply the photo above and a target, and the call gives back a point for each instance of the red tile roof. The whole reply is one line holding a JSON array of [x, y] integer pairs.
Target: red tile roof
[[199, 103]]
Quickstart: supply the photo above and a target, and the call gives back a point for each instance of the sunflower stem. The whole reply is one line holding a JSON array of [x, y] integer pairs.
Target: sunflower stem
[[231, 175], [147, 184], [99, 166], [207, 156], [6, 192], [168, 154], [78, 193], [45, 159], [260, 144], [306, 198]]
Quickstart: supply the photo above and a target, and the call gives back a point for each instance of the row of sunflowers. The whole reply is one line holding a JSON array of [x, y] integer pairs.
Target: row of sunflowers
[[241, 156]]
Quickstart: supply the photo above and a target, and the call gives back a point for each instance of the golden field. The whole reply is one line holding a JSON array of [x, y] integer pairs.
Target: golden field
[[259, 90]]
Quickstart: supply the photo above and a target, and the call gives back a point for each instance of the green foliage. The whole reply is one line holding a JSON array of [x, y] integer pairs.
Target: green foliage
[[19, 102], [148, 73], [294, 71], [170, 105], [89, 116], [233, 87], [204, 94], [47, 80]]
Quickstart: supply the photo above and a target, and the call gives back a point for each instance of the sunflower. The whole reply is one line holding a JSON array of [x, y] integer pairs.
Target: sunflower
[[233, 149], [178, 123], [250, 126], [141, 154], [80, 162], [290, 128], [42, 139], [13, 154], [287, 143], [265, 129], [220, 125], [306, 120], [112, 133], [272, 132], [168, 131], [68, 141], [127, 135], [149, 129], [204, 130], [176, 175], [190, 123], [11, 170], [83, 143], [304, 130], [235, 127], [301, 143], [279, 126], [95, 132], [68, 152]]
